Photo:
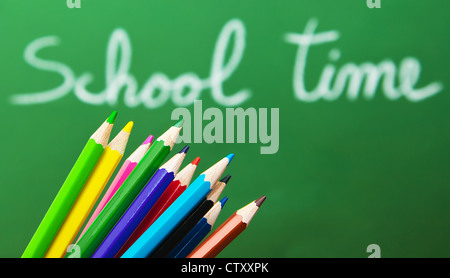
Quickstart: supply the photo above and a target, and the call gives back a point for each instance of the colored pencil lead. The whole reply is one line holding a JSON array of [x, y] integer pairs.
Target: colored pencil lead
[[128, 127], [196, 161], [260, 201], [230, 157], [148, 140], [112, 117], [179, 123]]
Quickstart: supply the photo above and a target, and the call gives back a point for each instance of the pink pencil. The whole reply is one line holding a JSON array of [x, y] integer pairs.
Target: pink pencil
[[126, 169]]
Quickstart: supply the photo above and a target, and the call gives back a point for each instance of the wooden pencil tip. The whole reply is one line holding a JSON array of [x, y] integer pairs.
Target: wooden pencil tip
[[196, 161], [112, 117], [260, 201], [128, 127], [179, 123], [148, 140], [226, 179], [185, 149]]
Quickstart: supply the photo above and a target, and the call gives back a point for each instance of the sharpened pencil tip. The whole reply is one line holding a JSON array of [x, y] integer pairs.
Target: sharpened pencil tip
[[179, 123], [128, 127], [223, 201], [112, 117], [148, 140], [185, 149], [230, 157], [260, 201], [226, 179], [196, 161]]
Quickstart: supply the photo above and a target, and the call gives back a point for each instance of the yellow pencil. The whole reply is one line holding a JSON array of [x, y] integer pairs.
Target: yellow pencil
[[88, 196]]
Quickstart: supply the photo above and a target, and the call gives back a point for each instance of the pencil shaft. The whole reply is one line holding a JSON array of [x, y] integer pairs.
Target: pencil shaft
[[227, 232], [114, 209], [179, 209], [182, 229], [85, 201], [220, 238], [123, 173], [172, 192], [198, 232], [177, 212], [191, 240], [63, 201], [134, 214]]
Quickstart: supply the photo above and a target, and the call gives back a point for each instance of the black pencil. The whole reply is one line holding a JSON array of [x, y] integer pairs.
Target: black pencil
[[186, 226]]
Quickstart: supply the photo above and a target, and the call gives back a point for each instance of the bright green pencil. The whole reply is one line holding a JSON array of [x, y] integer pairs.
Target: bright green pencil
[[125, 195], [68, 193]]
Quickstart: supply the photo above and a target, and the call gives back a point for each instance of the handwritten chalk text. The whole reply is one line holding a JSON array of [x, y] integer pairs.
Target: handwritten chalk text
[[354, 80]]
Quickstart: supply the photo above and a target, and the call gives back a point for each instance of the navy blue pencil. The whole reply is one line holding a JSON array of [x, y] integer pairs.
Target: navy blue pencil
[[199, 232], [186, 225]]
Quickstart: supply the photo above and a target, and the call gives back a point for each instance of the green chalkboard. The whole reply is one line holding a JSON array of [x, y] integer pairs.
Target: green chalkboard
[[336, 111]]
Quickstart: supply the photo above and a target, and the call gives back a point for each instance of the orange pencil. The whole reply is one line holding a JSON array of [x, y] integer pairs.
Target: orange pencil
[[227, 232]]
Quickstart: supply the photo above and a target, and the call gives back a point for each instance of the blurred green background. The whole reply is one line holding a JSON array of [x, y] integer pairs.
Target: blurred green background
[[348, 173]]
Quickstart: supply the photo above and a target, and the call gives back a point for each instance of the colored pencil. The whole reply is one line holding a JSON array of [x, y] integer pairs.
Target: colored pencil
[[121, 200], [186, 225], [140, 207], [199, 232], [227, 232], [173, 191], [88, 196], [69, 191], [124, 171], [175, 213]]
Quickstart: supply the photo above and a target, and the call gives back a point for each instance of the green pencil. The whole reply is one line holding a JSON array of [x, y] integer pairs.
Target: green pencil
[[125, 195], [68, 193]]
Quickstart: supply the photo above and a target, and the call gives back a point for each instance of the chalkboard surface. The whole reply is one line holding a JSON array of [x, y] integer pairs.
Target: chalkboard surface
[[347, 111]]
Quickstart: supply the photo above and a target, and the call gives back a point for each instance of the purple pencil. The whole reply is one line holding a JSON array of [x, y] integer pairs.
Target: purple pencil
[[133, 216]]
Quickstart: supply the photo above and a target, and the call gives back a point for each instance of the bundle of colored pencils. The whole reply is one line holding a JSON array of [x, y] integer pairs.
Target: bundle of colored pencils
[[150, 209]]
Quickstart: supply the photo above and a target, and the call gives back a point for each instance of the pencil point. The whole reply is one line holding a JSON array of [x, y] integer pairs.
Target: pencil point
[[185, 149], [179, 123], [128, 127], [226, 179], [230, 157], [260, 201], [196, 161], [112, 117], [223, 201], [148, 140]]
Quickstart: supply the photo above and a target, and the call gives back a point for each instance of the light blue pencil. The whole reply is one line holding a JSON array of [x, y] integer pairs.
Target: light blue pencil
[[176, 212]]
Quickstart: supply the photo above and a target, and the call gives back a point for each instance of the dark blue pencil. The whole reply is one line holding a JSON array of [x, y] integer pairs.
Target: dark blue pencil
[[199, 232], [187, 224]]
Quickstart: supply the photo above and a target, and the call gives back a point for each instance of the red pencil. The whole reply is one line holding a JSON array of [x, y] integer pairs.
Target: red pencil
[[174, 189]]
